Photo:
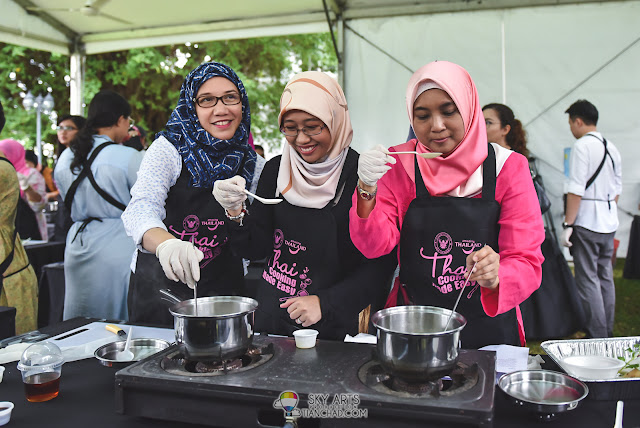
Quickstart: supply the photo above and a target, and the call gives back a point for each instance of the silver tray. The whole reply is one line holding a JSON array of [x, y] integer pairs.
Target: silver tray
[[608, 389]]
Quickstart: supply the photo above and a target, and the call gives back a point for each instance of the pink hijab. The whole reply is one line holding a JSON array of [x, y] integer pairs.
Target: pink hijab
[[444, 174], [314, 185], [14, 152]]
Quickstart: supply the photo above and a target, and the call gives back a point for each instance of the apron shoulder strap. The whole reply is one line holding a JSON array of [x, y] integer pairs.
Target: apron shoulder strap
[[421, 188], [604, 158], [86, 172], [489, 175]]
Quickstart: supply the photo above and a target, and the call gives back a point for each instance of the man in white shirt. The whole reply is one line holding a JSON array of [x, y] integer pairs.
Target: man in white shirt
[[591, 217]]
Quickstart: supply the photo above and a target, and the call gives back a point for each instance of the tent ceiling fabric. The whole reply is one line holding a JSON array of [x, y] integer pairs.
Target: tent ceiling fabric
[[63, 26]]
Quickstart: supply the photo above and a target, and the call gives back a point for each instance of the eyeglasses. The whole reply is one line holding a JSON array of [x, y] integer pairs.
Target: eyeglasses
[[131, 122], [207, 101], [66, 128], [309, 131]]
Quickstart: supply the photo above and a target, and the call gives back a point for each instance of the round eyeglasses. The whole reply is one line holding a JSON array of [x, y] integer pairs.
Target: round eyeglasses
[[309, 131], [208, 101]]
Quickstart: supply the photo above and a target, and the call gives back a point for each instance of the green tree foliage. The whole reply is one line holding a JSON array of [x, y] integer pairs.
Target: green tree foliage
[[150, 79]]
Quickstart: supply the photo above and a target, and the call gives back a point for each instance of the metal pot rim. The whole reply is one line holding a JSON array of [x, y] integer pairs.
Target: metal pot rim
[[213, 299], [385, 313]]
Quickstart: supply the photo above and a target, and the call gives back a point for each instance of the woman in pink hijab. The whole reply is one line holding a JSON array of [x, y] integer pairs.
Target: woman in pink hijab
[[313, 275], [33, 189], [469, 213]]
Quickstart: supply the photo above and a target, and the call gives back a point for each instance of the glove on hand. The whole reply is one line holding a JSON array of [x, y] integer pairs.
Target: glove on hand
[[566, 235], [372, 165], [180, 261], [230, 193]]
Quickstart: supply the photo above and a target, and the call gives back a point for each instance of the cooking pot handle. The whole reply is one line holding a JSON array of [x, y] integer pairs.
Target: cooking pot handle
[[168, 296]]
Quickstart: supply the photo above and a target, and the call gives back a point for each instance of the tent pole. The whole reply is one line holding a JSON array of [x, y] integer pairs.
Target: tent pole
[[504, 64], [75, 85]]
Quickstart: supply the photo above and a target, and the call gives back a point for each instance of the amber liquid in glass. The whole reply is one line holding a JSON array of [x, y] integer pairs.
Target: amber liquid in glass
[[42, 386]]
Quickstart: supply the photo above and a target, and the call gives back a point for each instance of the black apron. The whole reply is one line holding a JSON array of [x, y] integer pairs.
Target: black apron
[[192, 215], [437, 235], [304, 259]]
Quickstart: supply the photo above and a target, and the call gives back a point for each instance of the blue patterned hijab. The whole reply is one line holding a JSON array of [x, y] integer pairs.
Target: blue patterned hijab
[[208, 158]]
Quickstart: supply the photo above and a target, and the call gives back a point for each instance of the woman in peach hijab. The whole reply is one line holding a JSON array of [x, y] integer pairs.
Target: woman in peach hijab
[[474, 205], [314, 275]]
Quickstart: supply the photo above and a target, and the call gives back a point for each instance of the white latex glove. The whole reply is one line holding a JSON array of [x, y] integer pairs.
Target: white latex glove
[[230, 192], [372, 165], [180, 261], [24, 182], [566, 234]]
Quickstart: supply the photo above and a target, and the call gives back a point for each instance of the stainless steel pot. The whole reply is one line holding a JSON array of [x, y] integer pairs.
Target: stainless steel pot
[[222, 329], [412, 344]]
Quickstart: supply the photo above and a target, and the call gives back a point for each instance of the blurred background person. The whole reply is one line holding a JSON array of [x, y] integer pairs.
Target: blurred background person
[[32, 187], [98, 251], [67, 129], [259, 149], [18, 283], [504, 129], [47, 173]]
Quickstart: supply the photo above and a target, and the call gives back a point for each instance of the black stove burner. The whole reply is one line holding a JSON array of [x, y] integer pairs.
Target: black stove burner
[[463, 378], [176, 363]]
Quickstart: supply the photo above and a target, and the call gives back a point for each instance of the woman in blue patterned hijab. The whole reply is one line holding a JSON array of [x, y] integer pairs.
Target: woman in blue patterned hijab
[[206, 157], [179, 229]]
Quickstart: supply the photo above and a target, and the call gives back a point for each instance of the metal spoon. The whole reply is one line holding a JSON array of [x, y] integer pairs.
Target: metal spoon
[[263, 200], [422, 155], [195, 296], [126, 354], [459, 296]]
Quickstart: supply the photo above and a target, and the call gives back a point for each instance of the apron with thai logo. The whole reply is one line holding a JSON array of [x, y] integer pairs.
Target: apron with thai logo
[[192, 215], [437, 235], [304, 259]]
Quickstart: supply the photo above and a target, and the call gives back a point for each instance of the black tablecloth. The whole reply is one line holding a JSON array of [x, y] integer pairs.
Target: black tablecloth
[[44, 253], [87, 399], [51, 294]]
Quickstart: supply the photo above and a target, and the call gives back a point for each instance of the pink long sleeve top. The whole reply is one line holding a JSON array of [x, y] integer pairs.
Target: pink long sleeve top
[[520, 237]]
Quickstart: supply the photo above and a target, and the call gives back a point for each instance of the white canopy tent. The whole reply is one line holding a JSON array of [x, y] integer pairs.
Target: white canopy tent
[[538, 56]]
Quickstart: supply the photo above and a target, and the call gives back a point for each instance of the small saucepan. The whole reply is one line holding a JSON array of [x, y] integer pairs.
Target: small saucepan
[[412, 342], [221, 330]]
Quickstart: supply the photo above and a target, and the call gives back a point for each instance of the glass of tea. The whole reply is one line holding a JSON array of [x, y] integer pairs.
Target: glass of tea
[[41, 366]]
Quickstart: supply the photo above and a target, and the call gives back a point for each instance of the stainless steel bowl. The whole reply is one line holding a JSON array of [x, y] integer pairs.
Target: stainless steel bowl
[[543, 392], [141, 348], [412, 343]]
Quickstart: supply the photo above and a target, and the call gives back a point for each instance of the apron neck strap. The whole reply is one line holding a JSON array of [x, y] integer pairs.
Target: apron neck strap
[[488, 177]]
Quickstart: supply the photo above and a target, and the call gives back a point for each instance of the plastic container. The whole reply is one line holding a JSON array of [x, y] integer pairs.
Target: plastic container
[[5, 411], [305, 338], [593, 367], [41, 367]]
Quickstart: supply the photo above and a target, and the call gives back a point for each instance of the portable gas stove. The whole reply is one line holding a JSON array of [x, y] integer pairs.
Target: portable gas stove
[[241, 393]]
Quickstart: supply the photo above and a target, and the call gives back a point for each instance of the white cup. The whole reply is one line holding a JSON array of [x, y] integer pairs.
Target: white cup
[[305, 338], [5, 411]]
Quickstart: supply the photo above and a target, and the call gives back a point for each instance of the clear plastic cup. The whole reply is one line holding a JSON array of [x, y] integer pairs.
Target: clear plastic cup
[[305, 338], [41, 367]]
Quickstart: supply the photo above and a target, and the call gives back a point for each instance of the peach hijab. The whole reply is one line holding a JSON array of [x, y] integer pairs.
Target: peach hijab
[[444, 174], [314, 185]]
